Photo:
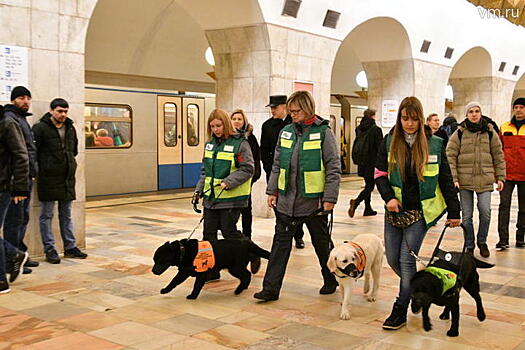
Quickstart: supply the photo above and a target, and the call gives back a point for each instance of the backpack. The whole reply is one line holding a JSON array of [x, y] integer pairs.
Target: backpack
[[361, 148]]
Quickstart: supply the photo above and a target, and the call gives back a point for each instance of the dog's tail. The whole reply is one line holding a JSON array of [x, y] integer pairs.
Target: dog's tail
[[256, 250], [482, 264]]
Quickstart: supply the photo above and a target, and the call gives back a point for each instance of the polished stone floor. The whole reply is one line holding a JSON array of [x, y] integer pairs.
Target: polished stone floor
[[112, 301]]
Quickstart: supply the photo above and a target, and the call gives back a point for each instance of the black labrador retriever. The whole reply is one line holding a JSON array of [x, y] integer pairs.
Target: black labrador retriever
[[427, 288], [231, 254]]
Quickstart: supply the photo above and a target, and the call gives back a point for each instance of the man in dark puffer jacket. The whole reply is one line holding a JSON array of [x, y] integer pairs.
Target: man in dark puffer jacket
[[57, 147]]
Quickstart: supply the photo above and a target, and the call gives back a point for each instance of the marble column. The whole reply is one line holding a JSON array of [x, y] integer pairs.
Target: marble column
[[54, 31], [256, 61], [493, 93]]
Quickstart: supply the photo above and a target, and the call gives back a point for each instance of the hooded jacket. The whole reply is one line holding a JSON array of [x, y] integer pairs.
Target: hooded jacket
[[476, 161], [20, 116], [292, 203], [14, 172], [56, 175], [374, 138]]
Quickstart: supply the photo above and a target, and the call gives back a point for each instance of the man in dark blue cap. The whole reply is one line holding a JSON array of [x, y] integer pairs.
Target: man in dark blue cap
[[269, 135], [17, 216]]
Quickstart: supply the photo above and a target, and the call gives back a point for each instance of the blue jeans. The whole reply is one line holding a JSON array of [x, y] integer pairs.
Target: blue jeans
[[66, 225], [467, 210], [16, 220], [398, 257]]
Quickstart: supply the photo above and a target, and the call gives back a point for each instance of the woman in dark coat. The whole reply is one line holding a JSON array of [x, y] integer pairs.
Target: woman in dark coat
[[241, 124]]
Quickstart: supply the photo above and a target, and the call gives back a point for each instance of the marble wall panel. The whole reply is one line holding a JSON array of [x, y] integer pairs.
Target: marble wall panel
[[44, 30], [16, 27], [72, 33], [45, 5], [68, 7], [44, 83]]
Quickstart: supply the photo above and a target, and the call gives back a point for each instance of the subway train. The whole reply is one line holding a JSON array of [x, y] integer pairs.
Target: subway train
[[143, 140]]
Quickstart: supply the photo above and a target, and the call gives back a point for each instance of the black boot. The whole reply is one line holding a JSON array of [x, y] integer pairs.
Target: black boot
[[397, 319]]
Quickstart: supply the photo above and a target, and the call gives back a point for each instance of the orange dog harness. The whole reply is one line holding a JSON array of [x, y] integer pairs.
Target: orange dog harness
[[360, 266], [204, 260]]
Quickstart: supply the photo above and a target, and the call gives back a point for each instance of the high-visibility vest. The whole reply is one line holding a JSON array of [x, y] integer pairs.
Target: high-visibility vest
[[219, 162], [311, 170], [448, 278], [432, 200]]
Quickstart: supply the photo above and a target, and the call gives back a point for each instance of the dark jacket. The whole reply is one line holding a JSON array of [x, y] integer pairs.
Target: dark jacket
[[491, 122], [292, 203], [443, 134], [56, 176], [256, 152], [20, 116], [374, 138], [14, 169], [410, 192], [269, 136]]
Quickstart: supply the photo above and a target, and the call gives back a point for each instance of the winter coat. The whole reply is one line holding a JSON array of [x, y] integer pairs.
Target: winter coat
[[476, 161], [238, 177], [14, 160], [269, 136], [410, 194], [56, 175], [292, 203], [20, 116], [374, 138], [256, 152], [513, 139]]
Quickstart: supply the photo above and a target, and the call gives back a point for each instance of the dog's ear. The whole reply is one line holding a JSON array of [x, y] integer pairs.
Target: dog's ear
[[331, 264]]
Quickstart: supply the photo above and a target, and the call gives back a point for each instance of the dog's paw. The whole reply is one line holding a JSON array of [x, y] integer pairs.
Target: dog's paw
[[191, 297], [481, 315], [427, 326], [239, 290], [453, 333], [345, 315], [165, 291], [371, 298], [444, 316]]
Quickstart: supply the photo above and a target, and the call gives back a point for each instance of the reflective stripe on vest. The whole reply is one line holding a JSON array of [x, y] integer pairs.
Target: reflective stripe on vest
[[311, 166], [219, 162], [432, 200]]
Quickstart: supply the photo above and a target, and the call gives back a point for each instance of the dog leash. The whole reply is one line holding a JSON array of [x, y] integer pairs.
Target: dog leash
[[319, 211], [195, 202]]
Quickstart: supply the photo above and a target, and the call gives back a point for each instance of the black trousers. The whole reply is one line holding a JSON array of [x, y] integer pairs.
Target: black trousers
[[221, 219], [505, 200], [366, 193], [246, 214], [285, 228]]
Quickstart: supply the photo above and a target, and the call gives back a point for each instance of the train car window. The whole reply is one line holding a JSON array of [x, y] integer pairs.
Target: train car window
[[192, 124], [108, 126], [170, 125]]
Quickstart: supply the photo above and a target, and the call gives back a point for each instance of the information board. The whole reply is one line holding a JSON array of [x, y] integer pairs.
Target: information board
[[13, 69]]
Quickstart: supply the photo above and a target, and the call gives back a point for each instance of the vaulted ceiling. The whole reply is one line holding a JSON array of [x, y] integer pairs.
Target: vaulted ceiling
[[512, 10]]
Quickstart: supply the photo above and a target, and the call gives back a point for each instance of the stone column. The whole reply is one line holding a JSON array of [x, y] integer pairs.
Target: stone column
[[54, 32], [256, 61], [430, 82], [493, 93]]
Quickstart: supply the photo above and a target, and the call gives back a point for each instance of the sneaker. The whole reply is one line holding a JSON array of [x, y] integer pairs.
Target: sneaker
[[501, 246], [27, 270], [520, 244], [484, 250], [352, 208], [74, 253], [328, 288], [52, 257], [4, 287], [31, 263], [18, 265], [299, 243], [397, 319], [255, 265], [265, 295], [369, 212]]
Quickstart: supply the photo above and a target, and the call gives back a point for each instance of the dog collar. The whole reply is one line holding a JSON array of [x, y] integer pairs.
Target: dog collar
[[360, 266]]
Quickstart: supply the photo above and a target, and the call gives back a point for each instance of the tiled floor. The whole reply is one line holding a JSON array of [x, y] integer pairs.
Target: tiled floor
[[112, 301]]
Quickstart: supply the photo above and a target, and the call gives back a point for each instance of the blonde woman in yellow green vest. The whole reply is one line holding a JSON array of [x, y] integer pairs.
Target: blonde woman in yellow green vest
[[305, 177], [413, 177], [225, 178]]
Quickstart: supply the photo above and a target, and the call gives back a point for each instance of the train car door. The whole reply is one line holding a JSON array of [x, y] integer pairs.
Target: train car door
[[194, 138], [170, 142]]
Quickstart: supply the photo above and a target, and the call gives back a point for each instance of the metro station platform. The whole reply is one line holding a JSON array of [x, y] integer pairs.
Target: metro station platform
[[111, 300]]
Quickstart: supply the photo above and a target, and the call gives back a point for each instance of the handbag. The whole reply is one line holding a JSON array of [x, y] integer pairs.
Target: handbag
[[404, 218]]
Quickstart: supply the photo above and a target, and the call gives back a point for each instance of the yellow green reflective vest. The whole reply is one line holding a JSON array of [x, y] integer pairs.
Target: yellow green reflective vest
[[220, 161], [311, 168], [448, 278], [430, 196]]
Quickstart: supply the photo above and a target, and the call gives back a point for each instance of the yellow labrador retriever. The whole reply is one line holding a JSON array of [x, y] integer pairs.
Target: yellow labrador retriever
[[351, 260]]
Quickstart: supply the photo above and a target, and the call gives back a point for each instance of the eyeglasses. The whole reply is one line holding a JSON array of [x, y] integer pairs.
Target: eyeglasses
[[295, 111]]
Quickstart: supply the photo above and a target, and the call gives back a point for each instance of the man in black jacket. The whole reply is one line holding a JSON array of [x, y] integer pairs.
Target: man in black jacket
[[372, 137], [17, 217], [57, 147], [269, 135], [14, 172]]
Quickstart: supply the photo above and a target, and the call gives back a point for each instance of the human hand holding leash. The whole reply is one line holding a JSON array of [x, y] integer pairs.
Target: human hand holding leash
[[453, 222], [393, 205], [272, 201], [327, 206], [18, 199]]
